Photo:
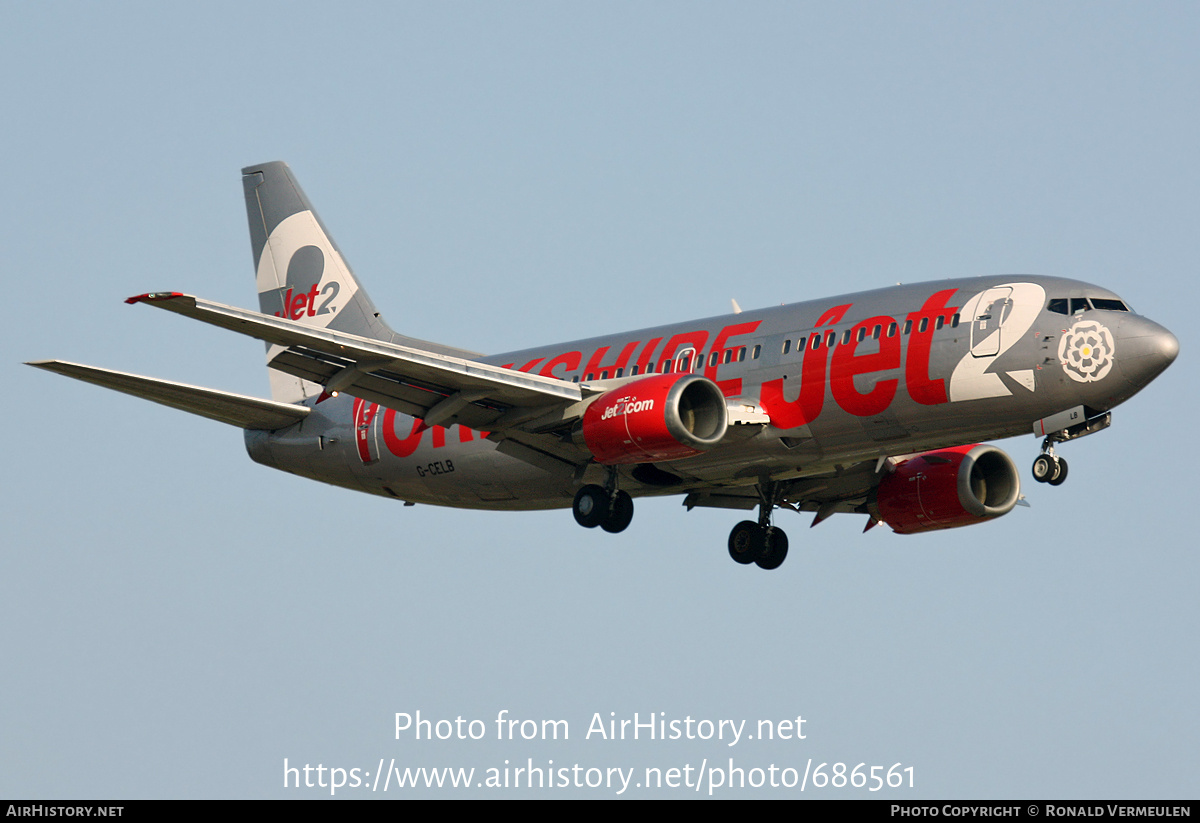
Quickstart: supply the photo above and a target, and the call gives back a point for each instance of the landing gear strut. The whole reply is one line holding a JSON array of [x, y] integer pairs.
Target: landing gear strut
[[760, 543], [1048, 467], [610, 509]]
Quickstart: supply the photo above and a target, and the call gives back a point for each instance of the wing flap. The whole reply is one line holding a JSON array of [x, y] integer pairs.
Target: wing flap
[[225, 407]]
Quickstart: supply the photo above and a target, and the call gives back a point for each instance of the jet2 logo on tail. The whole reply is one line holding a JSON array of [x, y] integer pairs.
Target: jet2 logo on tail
[[297, 304], [301, 275]]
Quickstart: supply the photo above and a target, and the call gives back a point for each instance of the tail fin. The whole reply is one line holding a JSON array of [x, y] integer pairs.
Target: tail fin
[[300, 271]]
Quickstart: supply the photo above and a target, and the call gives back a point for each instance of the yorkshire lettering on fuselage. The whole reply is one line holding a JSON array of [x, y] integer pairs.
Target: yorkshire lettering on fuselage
[[873, 403]]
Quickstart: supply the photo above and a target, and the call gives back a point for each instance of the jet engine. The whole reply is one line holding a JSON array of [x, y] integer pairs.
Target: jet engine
[[659, 417], [947, 488]]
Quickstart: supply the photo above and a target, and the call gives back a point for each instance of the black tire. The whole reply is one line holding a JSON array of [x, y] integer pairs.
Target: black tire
[[1060, 476], [776, 550], [745, 542], [1043, 468], [590, 507], [620, 513]]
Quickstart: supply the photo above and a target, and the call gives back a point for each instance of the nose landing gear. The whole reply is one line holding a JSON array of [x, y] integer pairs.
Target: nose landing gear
[[1048, 467]]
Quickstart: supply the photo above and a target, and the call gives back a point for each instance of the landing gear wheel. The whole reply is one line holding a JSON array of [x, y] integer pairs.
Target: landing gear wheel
[[1044, 468], [776, 550], [1060, 475], [620, 513], [591, 506], [745, 542]]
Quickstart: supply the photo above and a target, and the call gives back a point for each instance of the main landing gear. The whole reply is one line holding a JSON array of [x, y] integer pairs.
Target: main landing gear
[[611, 510], [1048, 467], [760, 543]]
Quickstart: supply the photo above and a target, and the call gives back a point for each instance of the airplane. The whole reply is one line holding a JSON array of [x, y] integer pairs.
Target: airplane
[[873, 403]]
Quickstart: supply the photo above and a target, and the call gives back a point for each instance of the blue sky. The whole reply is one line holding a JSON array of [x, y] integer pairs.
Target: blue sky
[[180, 620]]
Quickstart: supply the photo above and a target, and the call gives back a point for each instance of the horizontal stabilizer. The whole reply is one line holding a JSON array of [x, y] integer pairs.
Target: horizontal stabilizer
[[235, 409]]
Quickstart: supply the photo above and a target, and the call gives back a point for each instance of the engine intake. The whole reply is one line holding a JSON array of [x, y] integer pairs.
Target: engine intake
[[947, 488], [660, 417]]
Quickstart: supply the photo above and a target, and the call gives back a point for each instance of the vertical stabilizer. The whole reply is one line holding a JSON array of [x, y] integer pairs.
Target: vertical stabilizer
[[299, 270]]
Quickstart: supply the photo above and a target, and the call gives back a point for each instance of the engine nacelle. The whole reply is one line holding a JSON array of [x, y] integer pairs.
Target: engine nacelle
[[947, 488], [659, 417]]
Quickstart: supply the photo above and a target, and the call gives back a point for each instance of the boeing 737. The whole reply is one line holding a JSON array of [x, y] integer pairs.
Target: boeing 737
[[873, 403]]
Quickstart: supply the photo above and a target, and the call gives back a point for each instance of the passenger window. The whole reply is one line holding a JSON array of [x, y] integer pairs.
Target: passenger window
[[892, 330], [954, 321], [924, 325], [845, 337], [875, 332], [633, 371], [830, 339], [787, 346], [758, 351], [940, 322], [861, 334], [742, 354], [712, 358], [907, 326]]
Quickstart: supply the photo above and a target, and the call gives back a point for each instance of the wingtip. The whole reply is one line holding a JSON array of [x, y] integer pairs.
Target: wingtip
[[47, 365], [153, 297]]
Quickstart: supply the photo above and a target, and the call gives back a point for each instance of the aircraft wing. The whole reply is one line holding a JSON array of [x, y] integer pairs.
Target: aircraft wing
[[226, 407], [845, 490], [440, 389]]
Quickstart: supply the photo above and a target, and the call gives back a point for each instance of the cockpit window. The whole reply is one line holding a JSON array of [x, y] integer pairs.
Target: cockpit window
[[1074, 305]]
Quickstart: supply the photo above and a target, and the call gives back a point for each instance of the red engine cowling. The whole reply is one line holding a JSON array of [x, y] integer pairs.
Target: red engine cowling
[[947, 488], [660, 417]]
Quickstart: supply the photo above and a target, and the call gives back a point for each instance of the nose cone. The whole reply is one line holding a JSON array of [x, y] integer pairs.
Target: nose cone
[[1168, 348], [1145, 350]]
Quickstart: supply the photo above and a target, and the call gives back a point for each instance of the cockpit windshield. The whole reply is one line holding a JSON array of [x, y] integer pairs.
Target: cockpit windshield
[[1075, 305]]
